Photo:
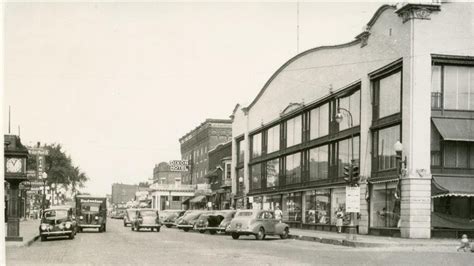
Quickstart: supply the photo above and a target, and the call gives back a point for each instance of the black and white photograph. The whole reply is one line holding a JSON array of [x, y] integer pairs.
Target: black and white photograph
[[283, 132]]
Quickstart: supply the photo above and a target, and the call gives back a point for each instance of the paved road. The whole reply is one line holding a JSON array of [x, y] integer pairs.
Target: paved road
[[121, 246]]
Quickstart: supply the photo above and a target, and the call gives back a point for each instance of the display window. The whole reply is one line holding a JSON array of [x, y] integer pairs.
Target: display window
[[384, 206], [318, 206], [338, 201], [292, 210]]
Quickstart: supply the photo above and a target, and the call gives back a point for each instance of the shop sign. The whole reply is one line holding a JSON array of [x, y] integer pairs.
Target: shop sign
[[352, 199], [250, 199], [179, 165]]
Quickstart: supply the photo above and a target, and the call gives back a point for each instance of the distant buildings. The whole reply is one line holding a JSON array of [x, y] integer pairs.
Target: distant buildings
[[219, 176], [196, 144], [163, 175], [123, 193]]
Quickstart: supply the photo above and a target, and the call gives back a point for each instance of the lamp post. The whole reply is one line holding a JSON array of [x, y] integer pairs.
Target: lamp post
[[401, 165], [339, 118]]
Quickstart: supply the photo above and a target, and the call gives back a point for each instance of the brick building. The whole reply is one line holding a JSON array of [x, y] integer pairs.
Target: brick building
[[219, 175], [163, 175], [196, 144]]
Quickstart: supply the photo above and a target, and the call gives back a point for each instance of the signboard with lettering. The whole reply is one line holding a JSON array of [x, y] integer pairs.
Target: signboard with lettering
[[352, 199], [179, 166], [38, 151]]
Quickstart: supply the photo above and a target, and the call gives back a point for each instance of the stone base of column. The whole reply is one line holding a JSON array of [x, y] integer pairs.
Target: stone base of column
[[416, 207], [364, 211], [14, 238]]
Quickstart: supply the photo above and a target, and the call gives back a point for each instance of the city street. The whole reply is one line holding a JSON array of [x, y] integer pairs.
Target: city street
[[121, 246]]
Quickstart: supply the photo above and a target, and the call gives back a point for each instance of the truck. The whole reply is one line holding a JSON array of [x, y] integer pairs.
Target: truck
[[91, 212]]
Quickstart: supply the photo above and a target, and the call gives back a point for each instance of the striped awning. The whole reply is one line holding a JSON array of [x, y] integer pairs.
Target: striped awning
[[450, 186]]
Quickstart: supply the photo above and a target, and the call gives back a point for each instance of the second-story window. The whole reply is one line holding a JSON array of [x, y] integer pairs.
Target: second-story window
[[318, 162], [352, 104], [345, 154], [272, 172], [293, 168], [256, 145], [387, 95], [240, 151], [452, 87], [256, 176], [273, 139], [319, 121], [384, 152], [293, 131]]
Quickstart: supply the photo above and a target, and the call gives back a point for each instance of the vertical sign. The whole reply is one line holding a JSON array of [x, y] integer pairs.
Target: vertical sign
[[40, 164], [352, 199]]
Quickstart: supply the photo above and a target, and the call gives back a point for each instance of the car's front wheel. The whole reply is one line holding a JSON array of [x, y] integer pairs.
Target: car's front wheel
[[261, 234], [43, 238], [202, 231], [285, 234], [186, 229], [212, 232], [132, 227], [168, 225], [71, 236], [158, 229], [235, 236]]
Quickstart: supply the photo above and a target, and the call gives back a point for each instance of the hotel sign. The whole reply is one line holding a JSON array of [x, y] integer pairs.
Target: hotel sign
[[179, 165]]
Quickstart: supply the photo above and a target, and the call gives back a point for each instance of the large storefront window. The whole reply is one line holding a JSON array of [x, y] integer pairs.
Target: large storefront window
[[293, 131], [387, 95], [271, 202], [273, 139], [256, 145], [292, 207], [256, 203], [384, 139], [345, 154], [240, 150], [273, 170], [455, 207], [338, 201], [319, 121], [452, 87], [293, 168], [318, 163], [384, 206], [352, 104], [318, 206], [240, 181], [256, 176]]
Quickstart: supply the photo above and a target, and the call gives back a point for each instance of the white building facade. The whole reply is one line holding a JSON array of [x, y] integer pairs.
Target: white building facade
[[409, 77]]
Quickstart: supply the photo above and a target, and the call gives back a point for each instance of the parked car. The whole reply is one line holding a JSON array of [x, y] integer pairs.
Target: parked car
[[259, 223], [219, 221], [129, 217], [146, 218], [202, 221], [169, 220], [58, 221], [188, 220]]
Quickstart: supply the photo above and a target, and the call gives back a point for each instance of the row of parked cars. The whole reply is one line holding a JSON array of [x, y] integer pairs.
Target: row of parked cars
[[258, 223]]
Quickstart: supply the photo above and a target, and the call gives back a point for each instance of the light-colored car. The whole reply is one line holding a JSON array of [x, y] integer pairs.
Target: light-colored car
[[169, 219], [259, 223], [146, 218], [58, 221], [129, 217], [188, 220]]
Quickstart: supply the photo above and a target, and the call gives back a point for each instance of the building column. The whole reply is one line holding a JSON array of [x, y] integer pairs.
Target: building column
[[363, 223]]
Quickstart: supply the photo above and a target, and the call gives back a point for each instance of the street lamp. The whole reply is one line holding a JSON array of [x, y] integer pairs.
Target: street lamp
[[339, 118], [44, 176], [401, 165]]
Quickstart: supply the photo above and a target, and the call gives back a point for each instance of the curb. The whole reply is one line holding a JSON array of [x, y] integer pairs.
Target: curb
[[31, 241], [347, 243]]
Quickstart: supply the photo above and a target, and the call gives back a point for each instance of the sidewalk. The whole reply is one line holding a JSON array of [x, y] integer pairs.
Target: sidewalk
[[29, 232], [369, 240]]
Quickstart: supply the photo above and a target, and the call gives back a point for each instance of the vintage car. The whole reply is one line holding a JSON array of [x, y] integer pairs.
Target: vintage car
[[58, 221], [169, 219], [202, 221], [146, 218], [258, 223], [220, 220], [188, 220], [129, 217]]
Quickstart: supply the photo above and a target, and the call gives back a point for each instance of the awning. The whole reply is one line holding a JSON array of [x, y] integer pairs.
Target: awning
[[455, 129], [198, 199], [448, 186]]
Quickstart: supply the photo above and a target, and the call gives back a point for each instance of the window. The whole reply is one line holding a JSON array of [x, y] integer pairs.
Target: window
[[318, 206], [293, 168], [256, 145], [318, 163], [256, 176], [292, 207], [228, 167], [338, 201], [293, 131], [384, 207], [273, 139], [452, 87], [352, 104], [273, 169], [344, 155], [435, 147], [457, 154], [384, 153], [319, 121], [455, 207], [271, 202], [176, 198], [240, 181], [240, 149], [387, 96]]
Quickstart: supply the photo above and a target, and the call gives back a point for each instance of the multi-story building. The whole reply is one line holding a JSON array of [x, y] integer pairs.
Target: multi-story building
[[123, 193], [163, 175], [406, 77], [219, 176], [196, 144]]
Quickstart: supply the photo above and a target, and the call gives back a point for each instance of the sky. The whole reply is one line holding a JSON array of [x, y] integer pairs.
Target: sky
[[117, 84]]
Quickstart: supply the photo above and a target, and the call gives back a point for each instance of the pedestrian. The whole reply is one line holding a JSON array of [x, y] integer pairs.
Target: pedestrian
[[465, 245], [278, 214], [339, 217]]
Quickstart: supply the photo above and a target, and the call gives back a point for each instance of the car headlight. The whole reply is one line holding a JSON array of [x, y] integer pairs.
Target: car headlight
[[68, 225], [81, 217], [44, 226], [51, 227], [61, 226], [97, 217]]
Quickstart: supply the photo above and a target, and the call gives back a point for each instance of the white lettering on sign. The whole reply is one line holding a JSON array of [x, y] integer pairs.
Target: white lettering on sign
[[178, 162], [91, 201], [179, 168], [352, 199]]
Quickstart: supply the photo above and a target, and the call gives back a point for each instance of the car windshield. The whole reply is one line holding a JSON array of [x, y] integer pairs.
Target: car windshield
[[55, 214], [148, 213], [245, 214], [90, 207]]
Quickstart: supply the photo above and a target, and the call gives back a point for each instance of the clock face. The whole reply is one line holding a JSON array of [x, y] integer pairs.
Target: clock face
[[14, 165]]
